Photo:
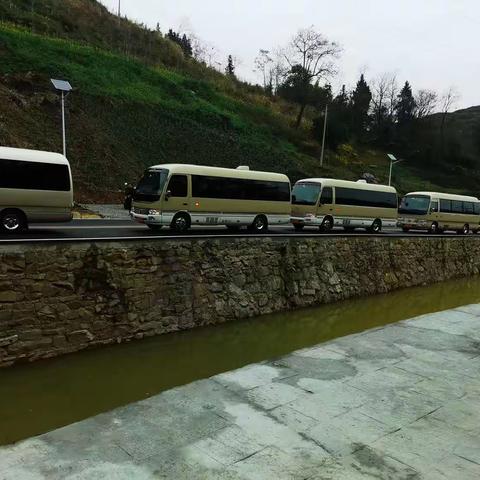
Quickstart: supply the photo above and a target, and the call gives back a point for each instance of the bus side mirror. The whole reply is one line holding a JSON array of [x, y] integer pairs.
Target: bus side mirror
[[168, 194]]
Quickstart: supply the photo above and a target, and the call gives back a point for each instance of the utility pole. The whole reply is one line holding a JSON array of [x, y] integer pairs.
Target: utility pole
[[324, 134], [119, 8]]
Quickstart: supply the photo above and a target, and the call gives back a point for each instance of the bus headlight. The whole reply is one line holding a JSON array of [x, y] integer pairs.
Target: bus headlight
[[153, 212]]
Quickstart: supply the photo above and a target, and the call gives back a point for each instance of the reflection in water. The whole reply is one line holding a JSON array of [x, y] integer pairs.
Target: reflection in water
[[43, 396]]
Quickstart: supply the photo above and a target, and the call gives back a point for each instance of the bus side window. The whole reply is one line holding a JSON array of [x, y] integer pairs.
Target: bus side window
[[178, 186], [327, 196], [468, 208]]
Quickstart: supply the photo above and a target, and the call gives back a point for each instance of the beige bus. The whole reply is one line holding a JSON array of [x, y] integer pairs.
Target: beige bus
[[326, 203], [34, 187], [179, 196], [438, 212]]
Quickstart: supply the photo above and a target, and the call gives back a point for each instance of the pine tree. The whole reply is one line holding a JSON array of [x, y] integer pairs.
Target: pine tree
[[182, 40], [360, 104], [406, 105], [230, 69]]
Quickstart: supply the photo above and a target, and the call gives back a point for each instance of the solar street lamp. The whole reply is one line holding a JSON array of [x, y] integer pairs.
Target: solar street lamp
[[65, 88], [393, 161]]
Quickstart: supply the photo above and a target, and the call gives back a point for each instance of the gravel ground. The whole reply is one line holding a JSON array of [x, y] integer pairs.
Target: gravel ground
[[109, 212]]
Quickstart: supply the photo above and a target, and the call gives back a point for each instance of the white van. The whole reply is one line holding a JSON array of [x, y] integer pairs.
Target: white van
[[35, 187], [179, 196]]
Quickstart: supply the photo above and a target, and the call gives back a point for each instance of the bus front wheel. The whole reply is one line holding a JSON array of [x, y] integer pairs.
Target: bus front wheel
[[327, 225], [376, 226], [13, 221], [259, 225], [180, 223]]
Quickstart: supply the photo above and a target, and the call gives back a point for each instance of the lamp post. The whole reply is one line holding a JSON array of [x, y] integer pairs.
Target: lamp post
[[324, 133], [65, 88], [393, 161]]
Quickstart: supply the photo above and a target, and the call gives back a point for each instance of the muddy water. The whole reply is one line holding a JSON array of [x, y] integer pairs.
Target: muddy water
[[40, 397]]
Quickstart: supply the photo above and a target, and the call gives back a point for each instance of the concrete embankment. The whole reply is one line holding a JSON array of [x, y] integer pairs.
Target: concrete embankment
[[58, 299], [397, 402]]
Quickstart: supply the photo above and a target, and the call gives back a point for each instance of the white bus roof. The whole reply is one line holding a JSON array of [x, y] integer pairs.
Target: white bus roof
[[332, 182], [183, 168], [22, 154], [446, 196]]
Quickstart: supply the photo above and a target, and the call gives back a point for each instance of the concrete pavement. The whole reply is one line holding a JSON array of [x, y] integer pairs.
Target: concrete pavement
[[397, 402]]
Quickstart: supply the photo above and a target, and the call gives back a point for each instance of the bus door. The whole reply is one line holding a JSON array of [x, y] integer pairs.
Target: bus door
[[434, 207], [176, 195]]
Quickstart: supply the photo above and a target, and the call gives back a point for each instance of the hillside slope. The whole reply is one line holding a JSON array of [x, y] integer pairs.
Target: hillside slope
[[124, 116]]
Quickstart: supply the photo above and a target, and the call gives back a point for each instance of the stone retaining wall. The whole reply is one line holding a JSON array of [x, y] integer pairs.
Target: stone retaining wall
[[56, 299]]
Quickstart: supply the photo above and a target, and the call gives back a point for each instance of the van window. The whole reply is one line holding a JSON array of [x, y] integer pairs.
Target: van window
[[468, 208], [178, 186], [365, 198], [414, 205], [327, 196], [446, 206], [239, 189], [457, 206], [305, 193], [34, 176], [150, 186]]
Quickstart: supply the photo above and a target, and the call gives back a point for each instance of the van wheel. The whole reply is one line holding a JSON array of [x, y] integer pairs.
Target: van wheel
[[180, 223], [259, 225], [13, 221], [433, 228], [376, 226], [327, 225]]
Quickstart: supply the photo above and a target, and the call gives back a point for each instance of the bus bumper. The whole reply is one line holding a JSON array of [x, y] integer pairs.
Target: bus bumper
[[147, 219], [306, 221], [413, 223]]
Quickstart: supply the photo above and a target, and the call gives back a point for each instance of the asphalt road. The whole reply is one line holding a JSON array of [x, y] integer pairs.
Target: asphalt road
[[112, 230]]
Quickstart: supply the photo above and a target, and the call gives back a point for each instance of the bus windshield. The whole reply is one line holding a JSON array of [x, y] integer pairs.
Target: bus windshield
[[415, 205], [306, 193], [151, 185]]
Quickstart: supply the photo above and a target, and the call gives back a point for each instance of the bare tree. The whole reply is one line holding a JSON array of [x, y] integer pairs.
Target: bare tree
[[384, 90], [314, 52], [448, 100], [393, 90], [426, 101], [263, 64], [315, 55]]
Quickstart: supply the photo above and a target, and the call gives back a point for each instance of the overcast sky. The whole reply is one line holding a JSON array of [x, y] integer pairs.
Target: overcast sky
[[434, 44]]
